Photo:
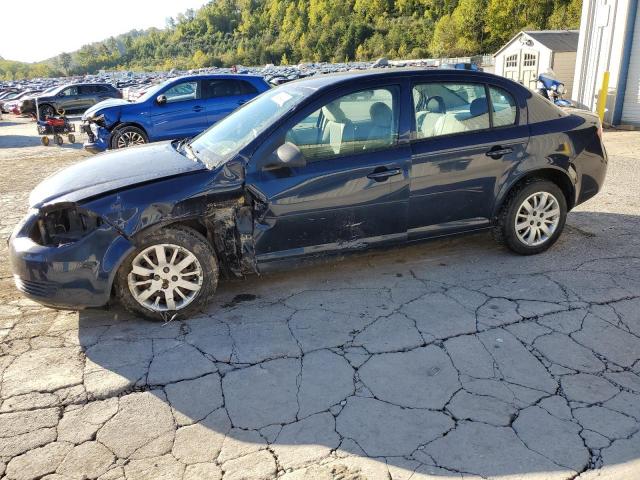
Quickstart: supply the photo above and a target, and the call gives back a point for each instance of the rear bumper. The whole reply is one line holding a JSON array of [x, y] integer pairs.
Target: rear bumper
[[72, 276], [592, 166]]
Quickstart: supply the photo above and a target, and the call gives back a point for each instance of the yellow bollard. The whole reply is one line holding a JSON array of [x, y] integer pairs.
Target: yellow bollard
[[602, 96]]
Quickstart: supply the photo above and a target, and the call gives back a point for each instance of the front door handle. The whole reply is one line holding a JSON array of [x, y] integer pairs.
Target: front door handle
[[498, 151], [198, 108], [382, 175]]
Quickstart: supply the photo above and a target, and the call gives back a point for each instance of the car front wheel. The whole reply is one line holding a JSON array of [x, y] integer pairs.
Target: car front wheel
[[46, 111], [128, 137], [532, 218], [173, 271]]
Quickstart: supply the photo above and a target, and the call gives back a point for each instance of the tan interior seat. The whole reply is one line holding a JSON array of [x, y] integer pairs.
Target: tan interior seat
[[436, 109], [381, 124], [337, 131]]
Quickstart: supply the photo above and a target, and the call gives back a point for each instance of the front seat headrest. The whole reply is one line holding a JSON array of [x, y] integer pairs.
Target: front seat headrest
[[381, 115], [334, 113], [435, 104], [479, 107]]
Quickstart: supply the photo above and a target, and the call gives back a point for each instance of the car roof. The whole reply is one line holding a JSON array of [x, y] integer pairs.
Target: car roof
[[333, 79], [217, 76]]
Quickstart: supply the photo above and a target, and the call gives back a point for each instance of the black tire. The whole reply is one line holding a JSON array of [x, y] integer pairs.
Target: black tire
[[58, 139], [120, 135], [72, 138], [504, 230], [46, 110], [188, 239]]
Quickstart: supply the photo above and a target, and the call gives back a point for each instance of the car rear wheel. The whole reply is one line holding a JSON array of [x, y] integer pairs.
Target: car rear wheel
[[173, 271], [532, 218], [128, 136]]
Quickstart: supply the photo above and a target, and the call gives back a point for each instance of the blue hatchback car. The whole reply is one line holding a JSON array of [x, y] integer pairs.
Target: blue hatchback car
[[320, 166], [177, 108]]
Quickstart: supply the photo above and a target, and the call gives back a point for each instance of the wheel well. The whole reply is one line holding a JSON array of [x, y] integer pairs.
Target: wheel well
[[232, 258], [558, 177], [200, 227], [129, 124], [194, 224]]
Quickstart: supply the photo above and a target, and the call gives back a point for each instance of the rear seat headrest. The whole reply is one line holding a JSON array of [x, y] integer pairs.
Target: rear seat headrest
[[479, 107], [380, 114]]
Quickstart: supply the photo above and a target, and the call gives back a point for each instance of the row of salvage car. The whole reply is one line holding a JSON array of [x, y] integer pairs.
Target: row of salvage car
[[124, 109]]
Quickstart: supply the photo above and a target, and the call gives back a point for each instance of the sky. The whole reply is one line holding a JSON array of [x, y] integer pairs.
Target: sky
[[34, 30]]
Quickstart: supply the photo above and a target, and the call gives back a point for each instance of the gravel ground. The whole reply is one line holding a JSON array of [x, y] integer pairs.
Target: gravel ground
[[448, 359]]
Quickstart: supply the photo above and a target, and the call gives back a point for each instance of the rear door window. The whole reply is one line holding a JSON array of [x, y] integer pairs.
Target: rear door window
[[87, 89], [505, 111], [228, 88], [450, 108]]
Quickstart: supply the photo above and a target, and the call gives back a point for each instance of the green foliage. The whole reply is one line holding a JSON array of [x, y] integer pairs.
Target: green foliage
[[255, 32], [10, 70]]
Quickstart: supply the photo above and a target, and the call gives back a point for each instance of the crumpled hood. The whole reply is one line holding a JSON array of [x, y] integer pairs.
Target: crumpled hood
[[111, 171], [112, 102]]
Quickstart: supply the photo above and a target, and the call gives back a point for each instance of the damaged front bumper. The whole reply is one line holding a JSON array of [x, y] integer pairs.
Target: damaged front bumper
[[74, 275], [98, 137]]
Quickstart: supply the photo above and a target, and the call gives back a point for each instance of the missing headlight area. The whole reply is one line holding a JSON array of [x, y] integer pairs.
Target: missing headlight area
[[64, 225]]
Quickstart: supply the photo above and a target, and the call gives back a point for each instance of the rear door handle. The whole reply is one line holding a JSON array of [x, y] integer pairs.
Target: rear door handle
[[497, 152], [241, 102], [381, 175], [198, 108]]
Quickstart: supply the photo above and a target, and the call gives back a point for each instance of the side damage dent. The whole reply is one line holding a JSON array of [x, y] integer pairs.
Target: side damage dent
[[231, 229]]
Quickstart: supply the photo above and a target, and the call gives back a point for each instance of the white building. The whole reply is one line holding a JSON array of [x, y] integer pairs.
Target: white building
[[530, 53], [610, 41]]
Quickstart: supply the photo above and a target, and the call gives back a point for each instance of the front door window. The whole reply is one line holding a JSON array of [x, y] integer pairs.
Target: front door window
[[182, 92], [364, 121]]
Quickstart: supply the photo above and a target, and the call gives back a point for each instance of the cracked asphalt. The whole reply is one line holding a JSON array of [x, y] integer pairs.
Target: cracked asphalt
[[449, 359]]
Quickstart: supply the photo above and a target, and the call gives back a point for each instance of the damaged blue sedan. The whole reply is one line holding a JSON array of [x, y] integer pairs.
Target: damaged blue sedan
[[315, 167]]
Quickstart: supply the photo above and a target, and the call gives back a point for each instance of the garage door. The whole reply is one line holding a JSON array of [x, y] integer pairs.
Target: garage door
[[631, 106]]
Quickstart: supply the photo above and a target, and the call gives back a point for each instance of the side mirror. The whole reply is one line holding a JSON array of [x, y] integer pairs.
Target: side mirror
[[161, 99], [287, 155]]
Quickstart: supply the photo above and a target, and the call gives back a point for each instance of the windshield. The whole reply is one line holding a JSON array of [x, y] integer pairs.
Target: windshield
[[153, 90], [226, 138]]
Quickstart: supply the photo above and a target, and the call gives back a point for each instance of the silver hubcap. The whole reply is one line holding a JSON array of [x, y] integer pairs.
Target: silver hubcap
[[537, 219], [127, 139], [165, 277]]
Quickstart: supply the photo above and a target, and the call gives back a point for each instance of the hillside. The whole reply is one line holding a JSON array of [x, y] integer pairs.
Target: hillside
[[254, 32]]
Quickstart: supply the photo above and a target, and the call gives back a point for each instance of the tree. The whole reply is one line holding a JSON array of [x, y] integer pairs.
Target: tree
[[200, 59], [254, 32], [65, 62]]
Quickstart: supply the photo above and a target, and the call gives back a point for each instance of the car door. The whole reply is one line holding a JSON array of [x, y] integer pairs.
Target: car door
[[464, 144], [353, 191], [104, 92], [69, 99], [224, 95], [87, 96], [183, 113]]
